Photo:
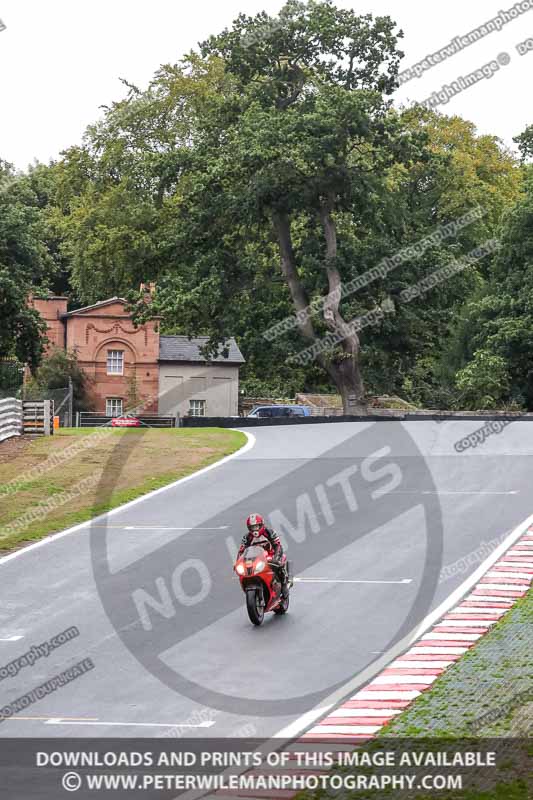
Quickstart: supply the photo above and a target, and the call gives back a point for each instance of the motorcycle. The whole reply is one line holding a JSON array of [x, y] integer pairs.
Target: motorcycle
[[260, 581]]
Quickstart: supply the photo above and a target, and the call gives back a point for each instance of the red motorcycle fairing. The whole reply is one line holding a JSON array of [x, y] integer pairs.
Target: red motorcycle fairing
[[260, 582]]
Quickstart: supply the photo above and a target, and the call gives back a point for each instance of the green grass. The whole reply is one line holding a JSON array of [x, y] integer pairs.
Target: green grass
[[124, 465], [496, 675]]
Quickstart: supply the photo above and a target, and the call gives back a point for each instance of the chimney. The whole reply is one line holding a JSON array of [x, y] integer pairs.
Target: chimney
[[51, 309], [148, 290]]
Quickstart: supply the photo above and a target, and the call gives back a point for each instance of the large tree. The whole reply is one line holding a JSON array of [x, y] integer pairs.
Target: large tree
[[417, 352], [117, 196], [265, 173], [524, 141], [496, 327], [303, 146], [263, 147], [25, 263]]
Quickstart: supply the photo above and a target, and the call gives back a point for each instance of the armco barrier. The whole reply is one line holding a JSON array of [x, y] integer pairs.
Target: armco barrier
[[384, 415], [10, 418]]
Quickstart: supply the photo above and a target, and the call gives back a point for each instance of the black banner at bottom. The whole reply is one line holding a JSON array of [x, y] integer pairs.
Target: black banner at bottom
[[51, 769]]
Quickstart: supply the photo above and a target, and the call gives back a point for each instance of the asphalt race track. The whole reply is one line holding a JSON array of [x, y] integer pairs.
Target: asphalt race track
[[371, 513]]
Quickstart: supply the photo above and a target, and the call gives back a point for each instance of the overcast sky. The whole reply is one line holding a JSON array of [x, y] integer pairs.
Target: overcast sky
[[61, 59]]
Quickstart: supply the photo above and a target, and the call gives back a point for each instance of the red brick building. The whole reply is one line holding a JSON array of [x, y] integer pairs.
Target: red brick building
[[117, 357], [121, 361]]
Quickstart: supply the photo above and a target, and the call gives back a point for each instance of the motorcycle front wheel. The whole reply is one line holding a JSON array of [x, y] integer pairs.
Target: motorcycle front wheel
[[254, 606]]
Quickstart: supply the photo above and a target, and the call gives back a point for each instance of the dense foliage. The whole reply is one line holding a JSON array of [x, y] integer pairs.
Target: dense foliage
[[25, 262], [496, 326], [261, 175], [58, 371]]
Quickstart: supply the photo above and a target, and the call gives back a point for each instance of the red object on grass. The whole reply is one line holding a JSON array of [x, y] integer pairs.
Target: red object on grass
[[125, 422]]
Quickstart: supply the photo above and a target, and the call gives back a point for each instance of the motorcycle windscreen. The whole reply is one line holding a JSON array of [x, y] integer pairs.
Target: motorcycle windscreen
[[253, 552]]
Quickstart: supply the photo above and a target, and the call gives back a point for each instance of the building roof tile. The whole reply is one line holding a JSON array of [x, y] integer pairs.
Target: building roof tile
[[95, 305], [181, 348]]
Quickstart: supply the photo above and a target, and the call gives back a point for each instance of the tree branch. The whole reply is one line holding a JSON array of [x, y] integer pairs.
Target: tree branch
[[282, 227], [297, 85], [332, 316]]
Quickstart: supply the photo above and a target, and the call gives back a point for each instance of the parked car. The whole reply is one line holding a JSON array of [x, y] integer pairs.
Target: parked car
[[280, 411]]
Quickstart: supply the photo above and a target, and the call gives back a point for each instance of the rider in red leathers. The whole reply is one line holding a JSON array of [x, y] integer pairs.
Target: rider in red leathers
[[257, 530]]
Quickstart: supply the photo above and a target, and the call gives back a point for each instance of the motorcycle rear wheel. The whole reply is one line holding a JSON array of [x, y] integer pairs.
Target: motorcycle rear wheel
[[255, 609]]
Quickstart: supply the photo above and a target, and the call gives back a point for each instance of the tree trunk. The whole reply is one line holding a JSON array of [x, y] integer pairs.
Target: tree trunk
[[346, 374], [344, 369], [282, 227]]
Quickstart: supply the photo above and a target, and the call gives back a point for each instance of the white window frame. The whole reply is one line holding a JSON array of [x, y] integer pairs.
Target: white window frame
[[197, 408], [113, 403], [115, 362]]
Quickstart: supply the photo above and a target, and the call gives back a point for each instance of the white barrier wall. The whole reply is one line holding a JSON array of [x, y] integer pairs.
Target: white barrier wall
[[10, 418]]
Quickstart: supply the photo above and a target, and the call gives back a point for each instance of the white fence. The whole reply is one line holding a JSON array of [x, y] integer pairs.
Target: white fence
[[10, 418]]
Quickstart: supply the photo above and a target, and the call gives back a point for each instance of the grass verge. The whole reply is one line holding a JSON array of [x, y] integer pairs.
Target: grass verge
[[484, 700], [488, 692], [51, 483]]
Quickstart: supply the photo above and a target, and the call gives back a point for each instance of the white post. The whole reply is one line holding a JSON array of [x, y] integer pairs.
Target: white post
[[48, 422]]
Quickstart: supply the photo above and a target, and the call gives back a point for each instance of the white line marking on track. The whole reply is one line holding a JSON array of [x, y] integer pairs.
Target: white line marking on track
[[438, 650], [504, 587], [454, 637], [331, 580], [401, 680], [158, 528], [465, 491], [346, 728], [501, 574], [467, 623], [473, 610], [491, 598], [420, 664], [295, 728], [20, 718], [387, 694], [61, 721], [90, 523], [366, 712]]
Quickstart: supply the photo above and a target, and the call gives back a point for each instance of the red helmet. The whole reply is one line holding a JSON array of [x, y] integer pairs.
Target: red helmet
[[255, 524]]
